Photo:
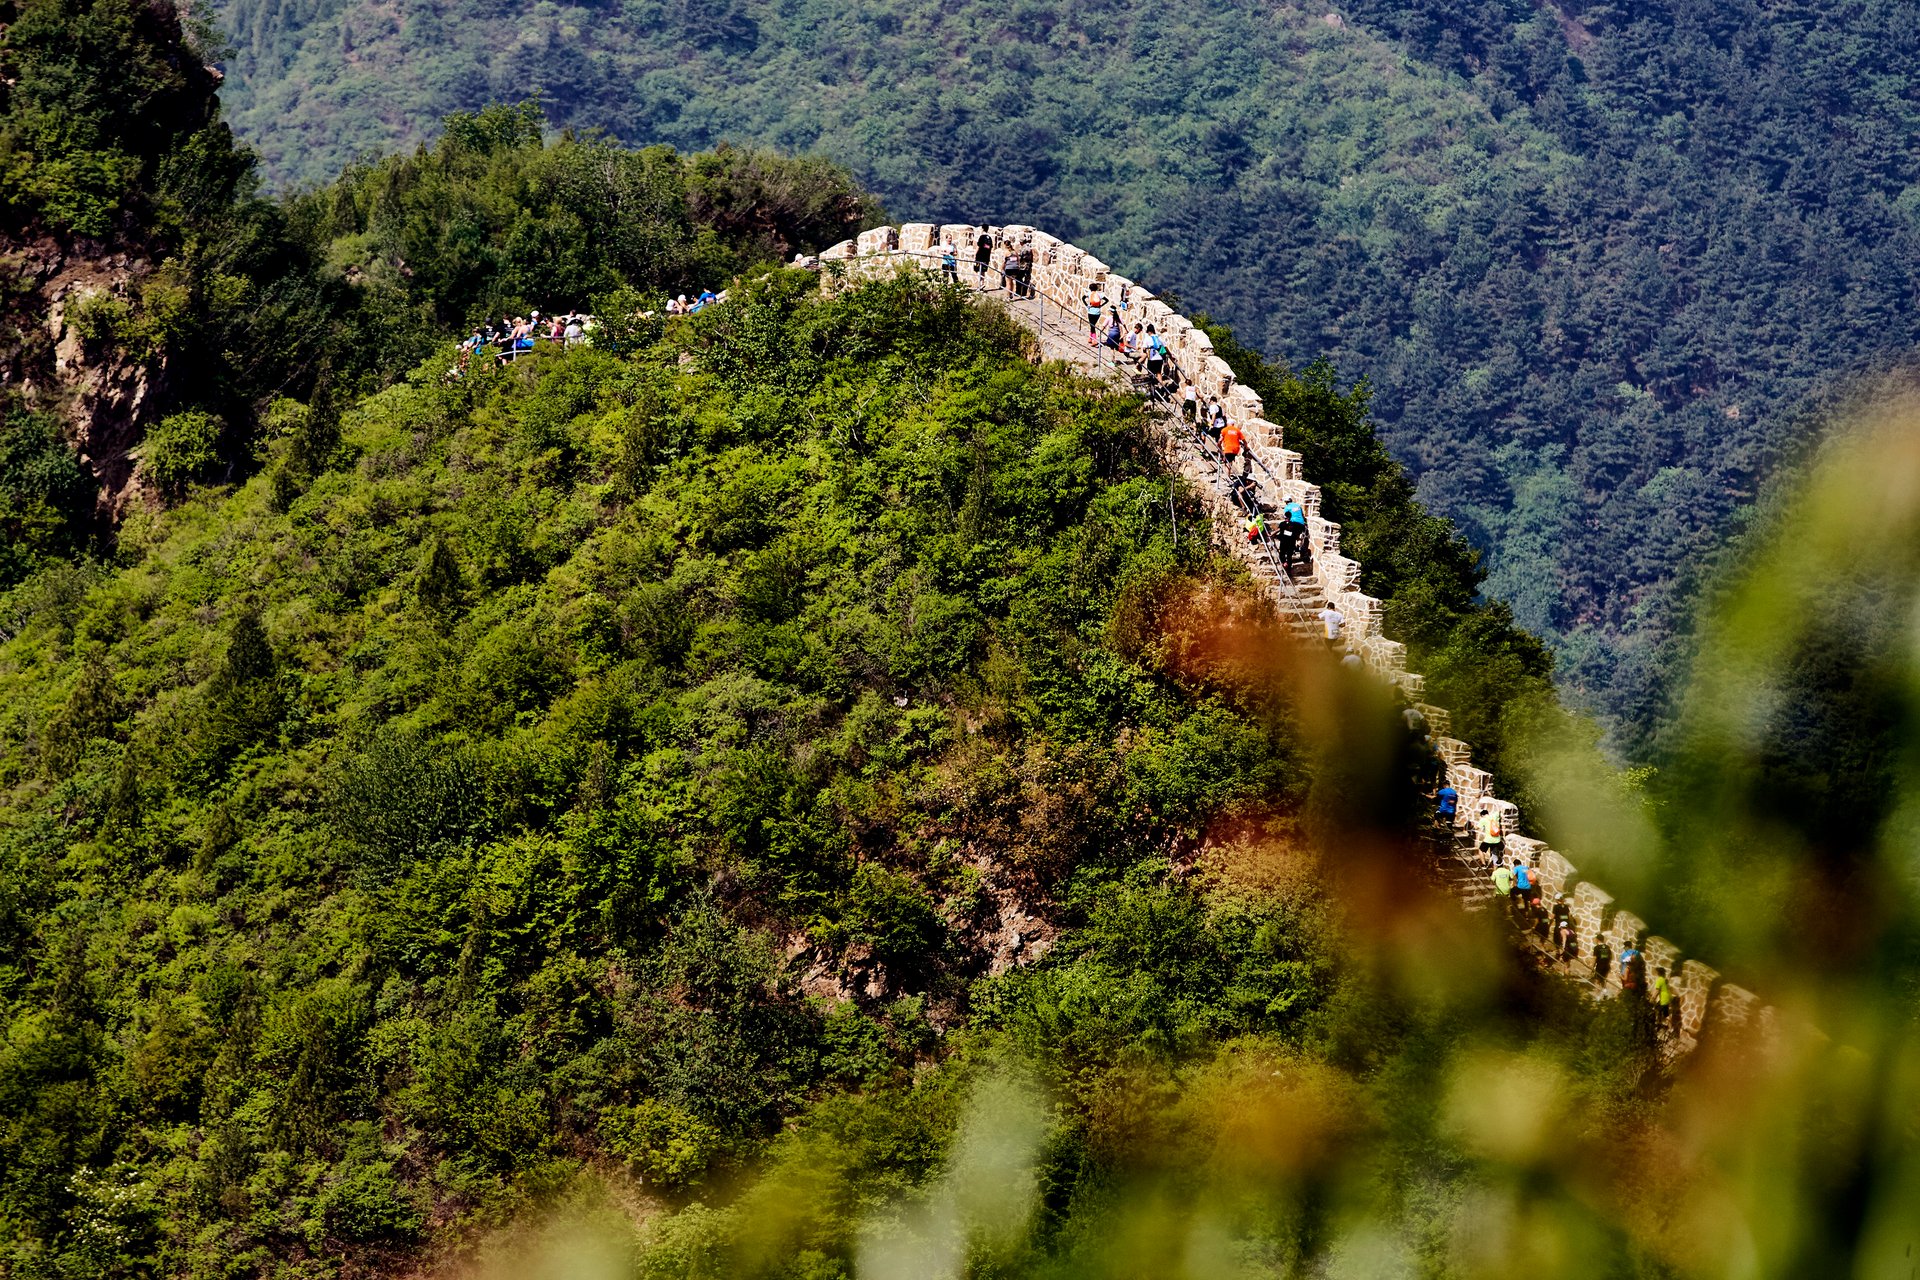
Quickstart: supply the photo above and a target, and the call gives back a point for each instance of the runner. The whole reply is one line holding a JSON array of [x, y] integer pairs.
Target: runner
[[1492, 838]]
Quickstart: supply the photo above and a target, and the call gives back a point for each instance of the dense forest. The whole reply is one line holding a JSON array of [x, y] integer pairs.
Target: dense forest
[[1593, 258]]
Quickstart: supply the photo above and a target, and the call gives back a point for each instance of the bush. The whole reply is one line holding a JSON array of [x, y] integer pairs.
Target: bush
[[180, 447]]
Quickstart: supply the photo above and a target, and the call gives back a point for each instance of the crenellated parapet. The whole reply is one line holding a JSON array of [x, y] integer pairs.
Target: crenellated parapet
[[1062, 275]]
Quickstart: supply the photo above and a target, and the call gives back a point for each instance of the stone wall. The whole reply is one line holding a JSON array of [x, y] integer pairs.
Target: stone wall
[[1062, 273]]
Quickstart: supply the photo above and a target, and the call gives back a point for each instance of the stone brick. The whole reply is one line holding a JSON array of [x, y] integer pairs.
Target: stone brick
[[1623, 928], [1337, 573], [1385, 655], [1732, 1013], [1266, 437], [1591, 905], [1661, 953], [1555, 872], [1217, 377], [1695, 986], [1242, 404]]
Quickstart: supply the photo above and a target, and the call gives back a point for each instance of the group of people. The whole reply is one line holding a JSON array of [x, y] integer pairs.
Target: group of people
[[1016, 261], [681, 307], [515, 334], [1519, 884]]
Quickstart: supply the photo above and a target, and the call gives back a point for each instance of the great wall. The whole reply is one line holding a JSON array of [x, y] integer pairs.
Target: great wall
[[1709, 1008]]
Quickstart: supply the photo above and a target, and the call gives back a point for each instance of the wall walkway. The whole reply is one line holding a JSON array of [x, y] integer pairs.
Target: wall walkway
[[1709, 1007]]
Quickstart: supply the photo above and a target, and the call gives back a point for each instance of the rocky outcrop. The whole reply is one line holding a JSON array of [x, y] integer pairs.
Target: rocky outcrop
[[104, 396]]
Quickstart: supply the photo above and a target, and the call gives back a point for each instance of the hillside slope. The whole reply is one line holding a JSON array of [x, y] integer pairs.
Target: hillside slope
[[1592, 259]]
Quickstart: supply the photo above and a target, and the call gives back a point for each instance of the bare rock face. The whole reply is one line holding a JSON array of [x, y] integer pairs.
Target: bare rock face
[[104, 396]]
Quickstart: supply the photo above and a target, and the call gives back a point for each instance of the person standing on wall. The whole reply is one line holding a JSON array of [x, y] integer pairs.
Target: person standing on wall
[[982, 256], [950, 261], [1024, 262], [1095, 302], [1665, 1002]]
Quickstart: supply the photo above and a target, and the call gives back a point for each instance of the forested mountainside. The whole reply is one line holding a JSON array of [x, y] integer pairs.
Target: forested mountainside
[[1592, 257], [156, 305], [574, 774]]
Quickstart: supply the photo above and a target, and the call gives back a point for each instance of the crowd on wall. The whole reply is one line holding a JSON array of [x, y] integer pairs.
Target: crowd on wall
[[1550, 926], [514, 336]]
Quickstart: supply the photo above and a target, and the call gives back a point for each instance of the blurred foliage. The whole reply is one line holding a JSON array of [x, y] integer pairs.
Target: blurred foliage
[[1592, 256]]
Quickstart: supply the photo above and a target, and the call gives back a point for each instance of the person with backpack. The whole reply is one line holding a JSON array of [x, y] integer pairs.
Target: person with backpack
[[1492, 839], [1602, 961], [1156, 356], [982, 256], [1095, 302], [1565, 944], [1522, 886], [1633, 970], [1295, 513], [1024, 262], [1256, 526]]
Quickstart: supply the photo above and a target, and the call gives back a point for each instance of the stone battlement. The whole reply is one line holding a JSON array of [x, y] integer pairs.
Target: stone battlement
[[1062, 273]]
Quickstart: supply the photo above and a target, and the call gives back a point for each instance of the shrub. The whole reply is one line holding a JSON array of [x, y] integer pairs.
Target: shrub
[[179, 447]]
